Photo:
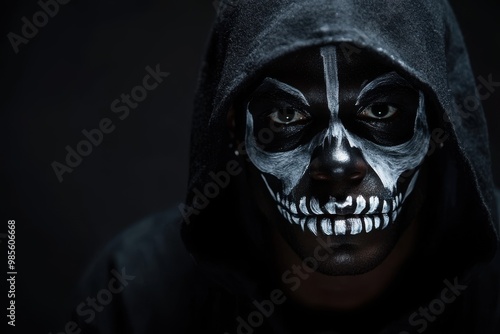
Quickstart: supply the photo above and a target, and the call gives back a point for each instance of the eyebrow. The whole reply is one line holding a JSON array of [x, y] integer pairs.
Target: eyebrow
[[391, 79], [286, 88]]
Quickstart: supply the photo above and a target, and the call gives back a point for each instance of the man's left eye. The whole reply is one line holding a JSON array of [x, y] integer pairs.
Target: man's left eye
[[379, 112], [287, 116]]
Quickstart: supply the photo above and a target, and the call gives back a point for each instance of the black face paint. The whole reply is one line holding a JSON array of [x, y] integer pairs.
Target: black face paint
[[339, 147]]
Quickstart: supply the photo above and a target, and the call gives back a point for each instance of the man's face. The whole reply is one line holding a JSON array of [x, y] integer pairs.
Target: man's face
[[335, 144]]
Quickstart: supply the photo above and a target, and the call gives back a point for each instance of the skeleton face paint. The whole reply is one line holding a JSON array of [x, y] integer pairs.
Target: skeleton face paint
[[345, 149]]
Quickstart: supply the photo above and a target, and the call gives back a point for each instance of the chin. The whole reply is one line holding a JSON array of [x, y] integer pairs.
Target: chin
[[347, 258]]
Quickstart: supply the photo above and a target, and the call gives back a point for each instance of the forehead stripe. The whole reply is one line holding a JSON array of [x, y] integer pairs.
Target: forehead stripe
[[329, 54]]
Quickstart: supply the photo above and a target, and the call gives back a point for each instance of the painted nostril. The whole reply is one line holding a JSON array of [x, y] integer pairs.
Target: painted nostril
[[355, 176], [320, 176], [337, 174]]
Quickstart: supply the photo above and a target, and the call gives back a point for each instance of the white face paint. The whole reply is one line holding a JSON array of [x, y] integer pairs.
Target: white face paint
[[357, 213]]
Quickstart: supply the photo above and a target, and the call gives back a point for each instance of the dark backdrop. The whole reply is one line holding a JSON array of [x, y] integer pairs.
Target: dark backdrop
[[64, 81]]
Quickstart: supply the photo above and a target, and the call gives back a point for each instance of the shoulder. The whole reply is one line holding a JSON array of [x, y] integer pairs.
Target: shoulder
[[142, 278]]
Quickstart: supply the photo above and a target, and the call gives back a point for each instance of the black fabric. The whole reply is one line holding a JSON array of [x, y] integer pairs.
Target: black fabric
[[206, 280], [161, 291]]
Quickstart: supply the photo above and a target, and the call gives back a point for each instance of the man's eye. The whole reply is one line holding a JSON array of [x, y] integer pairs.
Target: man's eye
[[379, 111], [288, 116]]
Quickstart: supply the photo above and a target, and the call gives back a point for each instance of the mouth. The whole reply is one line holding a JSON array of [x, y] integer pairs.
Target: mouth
[[352, 216], [348, 217]]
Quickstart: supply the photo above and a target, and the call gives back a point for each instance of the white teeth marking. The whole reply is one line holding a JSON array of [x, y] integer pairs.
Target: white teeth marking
[[326, 226], [315, 207], [348, 202], [311, 224], [368, 224], [287, 216], [373, 204], [303, 207], [340, 227], [360, 205], [386, 221], [302, 223], [330, 206], [356, 225], [280, 209], [385, 208]]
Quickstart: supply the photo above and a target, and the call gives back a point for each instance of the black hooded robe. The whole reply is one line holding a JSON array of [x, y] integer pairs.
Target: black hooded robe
[[175, 270]]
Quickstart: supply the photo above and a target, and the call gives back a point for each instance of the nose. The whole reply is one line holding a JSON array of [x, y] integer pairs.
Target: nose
[[339, 164]]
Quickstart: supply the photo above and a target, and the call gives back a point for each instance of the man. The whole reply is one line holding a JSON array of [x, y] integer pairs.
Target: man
[[338, 184]]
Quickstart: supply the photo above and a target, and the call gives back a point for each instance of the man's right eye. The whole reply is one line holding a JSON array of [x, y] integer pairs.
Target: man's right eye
[[288, 116]]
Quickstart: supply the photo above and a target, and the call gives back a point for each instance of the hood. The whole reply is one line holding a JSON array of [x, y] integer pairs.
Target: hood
[[421, 38]]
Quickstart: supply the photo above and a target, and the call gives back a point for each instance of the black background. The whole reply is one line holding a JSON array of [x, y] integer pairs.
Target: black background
[[64, 80]]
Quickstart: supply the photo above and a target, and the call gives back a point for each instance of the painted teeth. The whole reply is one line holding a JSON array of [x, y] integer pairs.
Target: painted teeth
[[315, 207], [340, 227], [311, 224], [368, 224], [385, 207], [386, 221], [302, 223], [360, 205], [303, 207], [348, 202], [398, 202], [352, 225], [374, 201], [330, 206], [356, 225], [309, 216], [326, 226]]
